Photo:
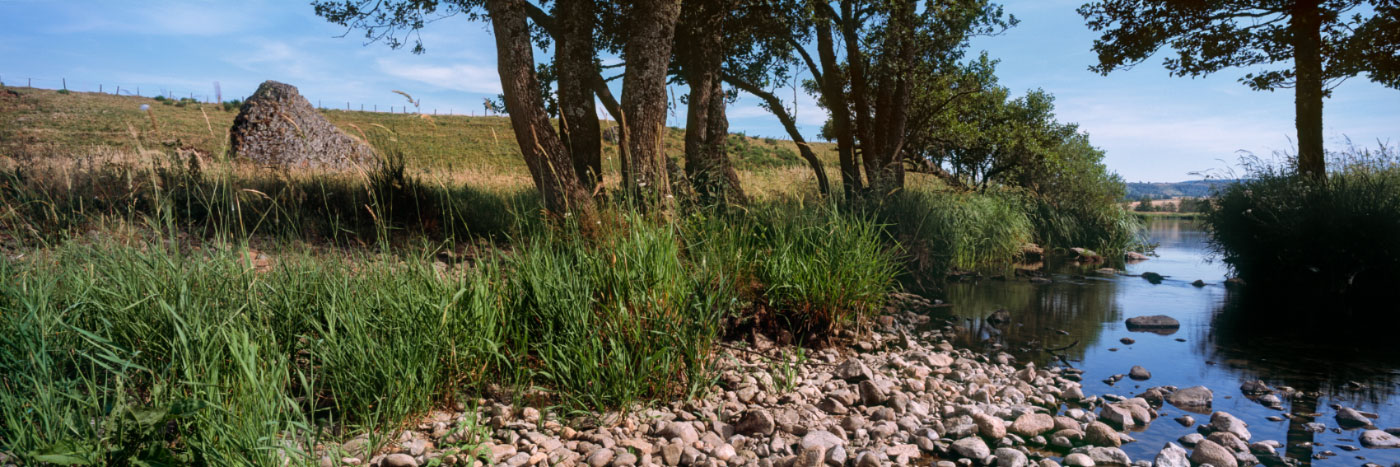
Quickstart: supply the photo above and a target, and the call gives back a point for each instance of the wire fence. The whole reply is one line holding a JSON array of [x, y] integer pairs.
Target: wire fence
[[214, 95]]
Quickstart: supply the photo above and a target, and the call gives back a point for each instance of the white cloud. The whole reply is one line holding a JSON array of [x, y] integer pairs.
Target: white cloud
[[465, 77]]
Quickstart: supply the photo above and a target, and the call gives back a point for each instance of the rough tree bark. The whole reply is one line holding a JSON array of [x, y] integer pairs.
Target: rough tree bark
[[574, 61], [545, 155], [1306, 24], [643, 119], [707, 163]]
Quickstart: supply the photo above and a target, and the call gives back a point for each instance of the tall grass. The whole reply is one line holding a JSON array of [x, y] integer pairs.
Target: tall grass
[[807, 270], [382, 202], [1338, 237], [1103, 226], [945, 231], [118, 352]]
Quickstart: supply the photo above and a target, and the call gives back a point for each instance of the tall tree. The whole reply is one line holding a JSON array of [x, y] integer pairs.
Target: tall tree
[[545, 154], [651, 27], [1326, 42], [575, 62], [699, 54], [646, 38], [890, 49]]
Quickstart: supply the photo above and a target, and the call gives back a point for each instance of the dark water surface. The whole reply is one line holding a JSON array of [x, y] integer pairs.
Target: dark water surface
[[1211, 349]]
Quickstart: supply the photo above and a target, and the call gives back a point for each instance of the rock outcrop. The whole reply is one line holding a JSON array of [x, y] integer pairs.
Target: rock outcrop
[[278, 127]]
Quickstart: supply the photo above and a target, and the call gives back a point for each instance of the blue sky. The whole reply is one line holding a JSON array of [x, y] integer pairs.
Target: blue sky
[[1153, 127]]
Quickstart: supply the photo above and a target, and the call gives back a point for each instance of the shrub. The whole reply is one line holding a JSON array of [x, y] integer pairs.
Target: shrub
[[1338, 237]]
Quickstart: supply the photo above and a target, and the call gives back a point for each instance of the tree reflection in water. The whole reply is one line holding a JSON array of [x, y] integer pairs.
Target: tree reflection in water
[[1316, 357]]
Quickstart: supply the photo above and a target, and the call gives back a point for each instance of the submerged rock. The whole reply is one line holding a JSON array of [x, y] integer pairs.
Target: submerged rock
[[1223, 421], [1348, 417], [1153, 323], [1377, 439], [1195, 399], [1153, 277]]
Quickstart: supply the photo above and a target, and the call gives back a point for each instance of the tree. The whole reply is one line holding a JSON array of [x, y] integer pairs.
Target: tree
[[545, 154], [891, 49], [651, 27], [699, 55], [1144, 204], [646, 45], [1327, 41]]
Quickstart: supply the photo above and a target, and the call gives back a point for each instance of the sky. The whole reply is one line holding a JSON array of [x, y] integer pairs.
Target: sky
[[1152, 127]]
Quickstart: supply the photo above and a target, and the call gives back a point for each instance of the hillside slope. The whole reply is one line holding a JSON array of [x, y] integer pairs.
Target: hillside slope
[[45, 123]]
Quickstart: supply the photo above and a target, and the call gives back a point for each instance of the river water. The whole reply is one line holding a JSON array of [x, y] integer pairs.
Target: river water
[[1210, 349]]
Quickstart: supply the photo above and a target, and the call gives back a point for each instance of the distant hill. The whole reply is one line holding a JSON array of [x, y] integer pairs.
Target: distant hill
[[1190, 189]]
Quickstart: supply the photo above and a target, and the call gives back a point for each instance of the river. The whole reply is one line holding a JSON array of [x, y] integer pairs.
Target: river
[[1210, 349]]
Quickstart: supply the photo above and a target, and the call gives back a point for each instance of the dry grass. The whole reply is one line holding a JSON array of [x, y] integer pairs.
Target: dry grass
[[42, 123]]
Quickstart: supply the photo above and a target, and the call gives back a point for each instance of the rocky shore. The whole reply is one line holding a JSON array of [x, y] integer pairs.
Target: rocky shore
[[902, 394]]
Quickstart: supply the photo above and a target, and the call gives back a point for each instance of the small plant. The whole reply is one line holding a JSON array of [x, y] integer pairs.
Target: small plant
[[785, 369], [63, 91], [469, 438]]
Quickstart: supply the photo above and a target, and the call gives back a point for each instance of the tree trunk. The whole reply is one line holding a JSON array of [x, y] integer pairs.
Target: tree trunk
[[1306, 24], [544, 153], [648, 54], [834, 97], [860, 93], [707, 165], [573, 60]]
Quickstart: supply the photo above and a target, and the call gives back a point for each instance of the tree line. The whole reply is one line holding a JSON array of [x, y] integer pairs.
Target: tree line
[[893, 76]]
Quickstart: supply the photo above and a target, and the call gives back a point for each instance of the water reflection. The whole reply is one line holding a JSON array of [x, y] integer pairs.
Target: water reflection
[[1225, 339]]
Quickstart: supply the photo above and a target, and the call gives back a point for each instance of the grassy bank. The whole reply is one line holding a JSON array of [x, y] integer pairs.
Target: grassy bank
[[1333, 237], [166, 305]]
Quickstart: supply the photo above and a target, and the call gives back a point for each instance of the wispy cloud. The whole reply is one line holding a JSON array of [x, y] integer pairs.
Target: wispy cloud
[[466, 77]]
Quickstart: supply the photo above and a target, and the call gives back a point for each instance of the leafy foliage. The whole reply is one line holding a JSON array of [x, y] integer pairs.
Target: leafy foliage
[[1209, 36]]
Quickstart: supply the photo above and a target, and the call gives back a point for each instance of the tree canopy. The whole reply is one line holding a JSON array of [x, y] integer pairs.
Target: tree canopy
[[1309, 45]]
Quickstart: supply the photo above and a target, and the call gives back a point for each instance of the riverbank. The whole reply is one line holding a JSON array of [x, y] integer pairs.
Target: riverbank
[[901, 394]]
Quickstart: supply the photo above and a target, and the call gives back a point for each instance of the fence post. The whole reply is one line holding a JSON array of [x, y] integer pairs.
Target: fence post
[[30, 83], [119, 90], [347, 106], [99, 88], [65, 84]]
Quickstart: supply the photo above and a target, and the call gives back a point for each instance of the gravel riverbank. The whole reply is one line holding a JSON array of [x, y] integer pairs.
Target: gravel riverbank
[[901, 394]]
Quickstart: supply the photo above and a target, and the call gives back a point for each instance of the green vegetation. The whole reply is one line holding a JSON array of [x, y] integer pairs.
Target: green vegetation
[[169, 305], [1339, 236]]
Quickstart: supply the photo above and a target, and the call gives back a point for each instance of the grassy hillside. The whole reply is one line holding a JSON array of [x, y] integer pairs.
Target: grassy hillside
[[41, 123], [1188, 189]]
